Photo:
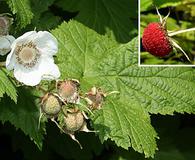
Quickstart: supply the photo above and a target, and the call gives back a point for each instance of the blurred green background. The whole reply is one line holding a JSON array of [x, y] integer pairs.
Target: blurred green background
[[177, 142]]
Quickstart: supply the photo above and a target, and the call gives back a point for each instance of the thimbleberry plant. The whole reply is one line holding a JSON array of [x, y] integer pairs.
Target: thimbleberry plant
[[70, 83]]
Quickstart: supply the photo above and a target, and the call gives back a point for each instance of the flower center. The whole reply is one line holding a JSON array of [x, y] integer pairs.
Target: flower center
[[27, 55]]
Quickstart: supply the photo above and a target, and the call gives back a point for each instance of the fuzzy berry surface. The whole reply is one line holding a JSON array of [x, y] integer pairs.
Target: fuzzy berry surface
[[155, 40], [73, 121], [51, 105]]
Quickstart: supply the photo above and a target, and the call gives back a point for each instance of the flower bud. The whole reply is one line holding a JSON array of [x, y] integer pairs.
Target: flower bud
[[95, 98], [68, 91], [71, 121], [5, 23], [5, 44]]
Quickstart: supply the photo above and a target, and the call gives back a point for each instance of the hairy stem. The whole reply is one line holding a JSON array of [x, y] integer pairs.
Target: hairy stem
[[41, 89], [178, 47], [181, 31]]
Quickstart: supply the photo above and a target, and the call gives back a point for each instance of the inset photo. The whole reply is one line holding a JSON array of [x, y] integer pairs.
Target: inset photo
[[167, 33]]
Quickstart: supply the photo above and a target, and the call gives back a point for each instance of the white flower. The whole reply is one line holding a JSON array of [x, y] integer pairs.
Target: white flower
[[5, 44], [31, 57]]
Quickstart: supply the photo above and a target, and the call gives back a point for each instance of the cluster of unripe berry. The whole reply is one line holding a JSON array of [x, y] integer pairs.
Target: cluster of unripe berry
[[63, 107]]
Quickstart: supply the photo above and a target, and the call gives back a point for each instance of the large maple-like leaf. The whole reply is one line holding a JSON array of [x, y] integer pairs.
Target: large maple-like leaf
[[23, 12], [6, 86]]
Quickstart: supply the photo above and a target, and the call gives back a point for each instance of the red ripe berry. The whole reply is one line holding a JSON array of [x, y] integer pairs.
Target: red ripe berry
[[155, 40]]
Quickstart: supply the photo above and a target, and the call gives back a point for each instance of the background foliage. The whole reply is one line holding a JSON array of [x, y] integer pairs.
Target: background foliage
[[182, 17], [98, 46]]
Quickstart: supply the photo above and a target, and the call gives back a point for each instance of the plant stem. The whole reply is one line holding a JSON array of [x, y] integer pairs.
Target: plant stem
[[178, 47], [41, 89], [181, 31]]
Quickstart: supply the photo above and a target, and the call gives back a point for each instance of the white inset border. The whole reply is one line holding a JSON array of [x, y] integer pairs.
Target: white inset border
[[139, 49]]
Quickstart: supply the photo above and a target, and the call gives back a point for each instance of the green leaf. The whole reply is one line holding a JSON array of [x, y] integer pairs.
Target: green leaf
[[23, 12], [127, 124], [166, 3], [90, 42], [118, 19], [40, 6], [145, 5], [7, 87], [42, 16], [98, 60], [52, 21], [23, 115]]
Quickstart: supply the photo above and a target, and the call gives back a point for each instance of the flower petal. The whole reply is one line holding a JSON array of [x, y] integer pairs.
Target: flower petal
[[46, 69], [10, 61], [46, 43], [49, 69], [10, 38], [5, 44], [26, 37], [30, 77]]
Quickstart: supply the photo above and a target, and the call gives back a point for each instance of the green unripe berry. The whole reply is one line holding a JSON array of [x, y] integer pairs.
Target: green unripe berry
[[74, 121], [51, 105]]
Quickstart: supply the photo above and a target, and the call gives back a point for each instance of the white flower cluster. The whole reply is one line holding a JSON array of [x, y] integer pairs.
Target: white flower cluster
[[31, 55]]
